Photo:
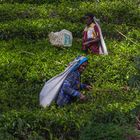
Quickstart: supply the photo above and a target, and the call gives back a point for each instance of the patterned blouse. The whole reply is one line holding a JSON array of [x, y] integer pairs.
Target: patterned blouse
[[89, 33], [70, 89]]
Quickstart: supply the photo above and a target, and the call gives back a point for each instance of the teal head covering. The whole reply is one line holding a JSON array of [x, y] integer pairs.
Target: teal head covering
[[80, 60]]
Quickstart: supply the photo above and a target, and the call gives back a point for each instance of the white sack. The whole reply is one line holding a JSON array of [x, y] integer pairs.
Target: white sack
[[62, 38]]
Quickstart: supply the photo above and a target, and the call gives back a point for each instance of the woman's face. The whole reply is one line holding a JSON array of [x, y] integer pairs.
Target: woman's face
[[88, 20], [82, 67]]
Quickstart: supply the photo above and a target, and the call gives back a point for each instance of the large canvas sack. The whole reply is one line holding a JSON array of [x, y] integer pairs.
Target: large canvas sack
[[62, 38]]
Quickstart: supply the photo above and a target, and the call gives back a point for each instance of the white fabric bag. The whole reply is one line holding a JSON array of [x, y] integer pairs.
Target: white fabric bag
[[104, 51], [62, 38]]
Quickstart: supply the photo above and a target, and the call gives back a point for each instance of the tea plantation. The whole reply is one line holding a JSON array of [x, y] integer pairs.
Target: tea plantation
[[28, 60]]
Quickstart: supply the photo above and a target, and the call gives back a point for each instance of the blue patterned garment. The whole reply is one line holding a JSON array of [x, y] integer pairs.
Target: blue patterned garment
[[70, 89]]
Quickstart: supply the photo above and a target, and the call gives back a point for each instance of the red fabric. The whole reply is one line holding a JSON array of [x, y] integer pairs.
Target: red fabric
[[94, 46], [84, 40]]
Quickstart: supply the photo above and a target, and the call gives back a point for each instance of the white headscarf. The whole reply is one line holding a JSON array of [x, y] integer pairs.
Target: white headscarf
[[102, 50]]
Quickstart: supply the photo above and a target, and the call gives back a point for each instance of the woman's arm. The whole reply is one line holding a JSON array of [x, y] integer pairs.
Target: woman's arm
[[91, 41]]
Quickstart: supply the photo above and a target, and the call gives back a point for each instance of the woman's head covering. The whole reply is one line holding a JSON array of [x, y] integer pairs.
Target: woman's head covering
[[80, 60]]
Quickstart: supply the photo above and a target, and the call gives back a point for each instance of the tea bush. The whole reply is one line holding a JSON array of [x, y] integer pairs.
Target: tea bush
[[28, 60], [135, 80], [109, 131]]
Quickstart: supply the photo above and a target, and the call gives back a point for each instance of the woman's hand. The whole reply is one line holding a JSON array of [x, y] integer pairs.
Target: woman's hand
[[86, 43], [88, 87], [82, 97]]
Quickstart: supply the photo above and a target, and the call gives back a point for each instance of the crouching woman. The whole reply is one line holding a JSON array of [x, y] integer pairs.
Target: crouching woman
[[70, 89]]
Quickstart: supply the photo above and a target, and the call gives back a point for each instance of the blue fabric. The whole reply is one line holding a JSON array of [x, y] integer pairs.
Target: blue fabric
[[69, 89], [80, 62]]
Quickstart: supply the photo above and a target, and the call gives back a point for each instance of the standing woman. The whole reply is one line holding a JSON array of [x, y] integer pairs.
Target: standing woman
[[93, 41]]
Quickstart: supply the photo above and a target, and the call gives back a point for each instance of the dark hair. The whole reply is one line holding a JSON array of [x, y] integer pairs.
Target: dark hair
[[89, 15]]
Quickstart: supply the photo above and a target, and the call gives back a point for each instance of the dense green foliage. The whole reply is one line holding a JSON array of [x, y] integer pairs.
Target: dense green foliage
[[28, 60], [135, 79]]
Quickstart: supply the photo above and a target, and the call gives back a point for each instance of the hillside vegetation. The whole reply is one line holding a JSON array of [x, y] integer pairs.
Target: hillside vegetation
[[28, 60]]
